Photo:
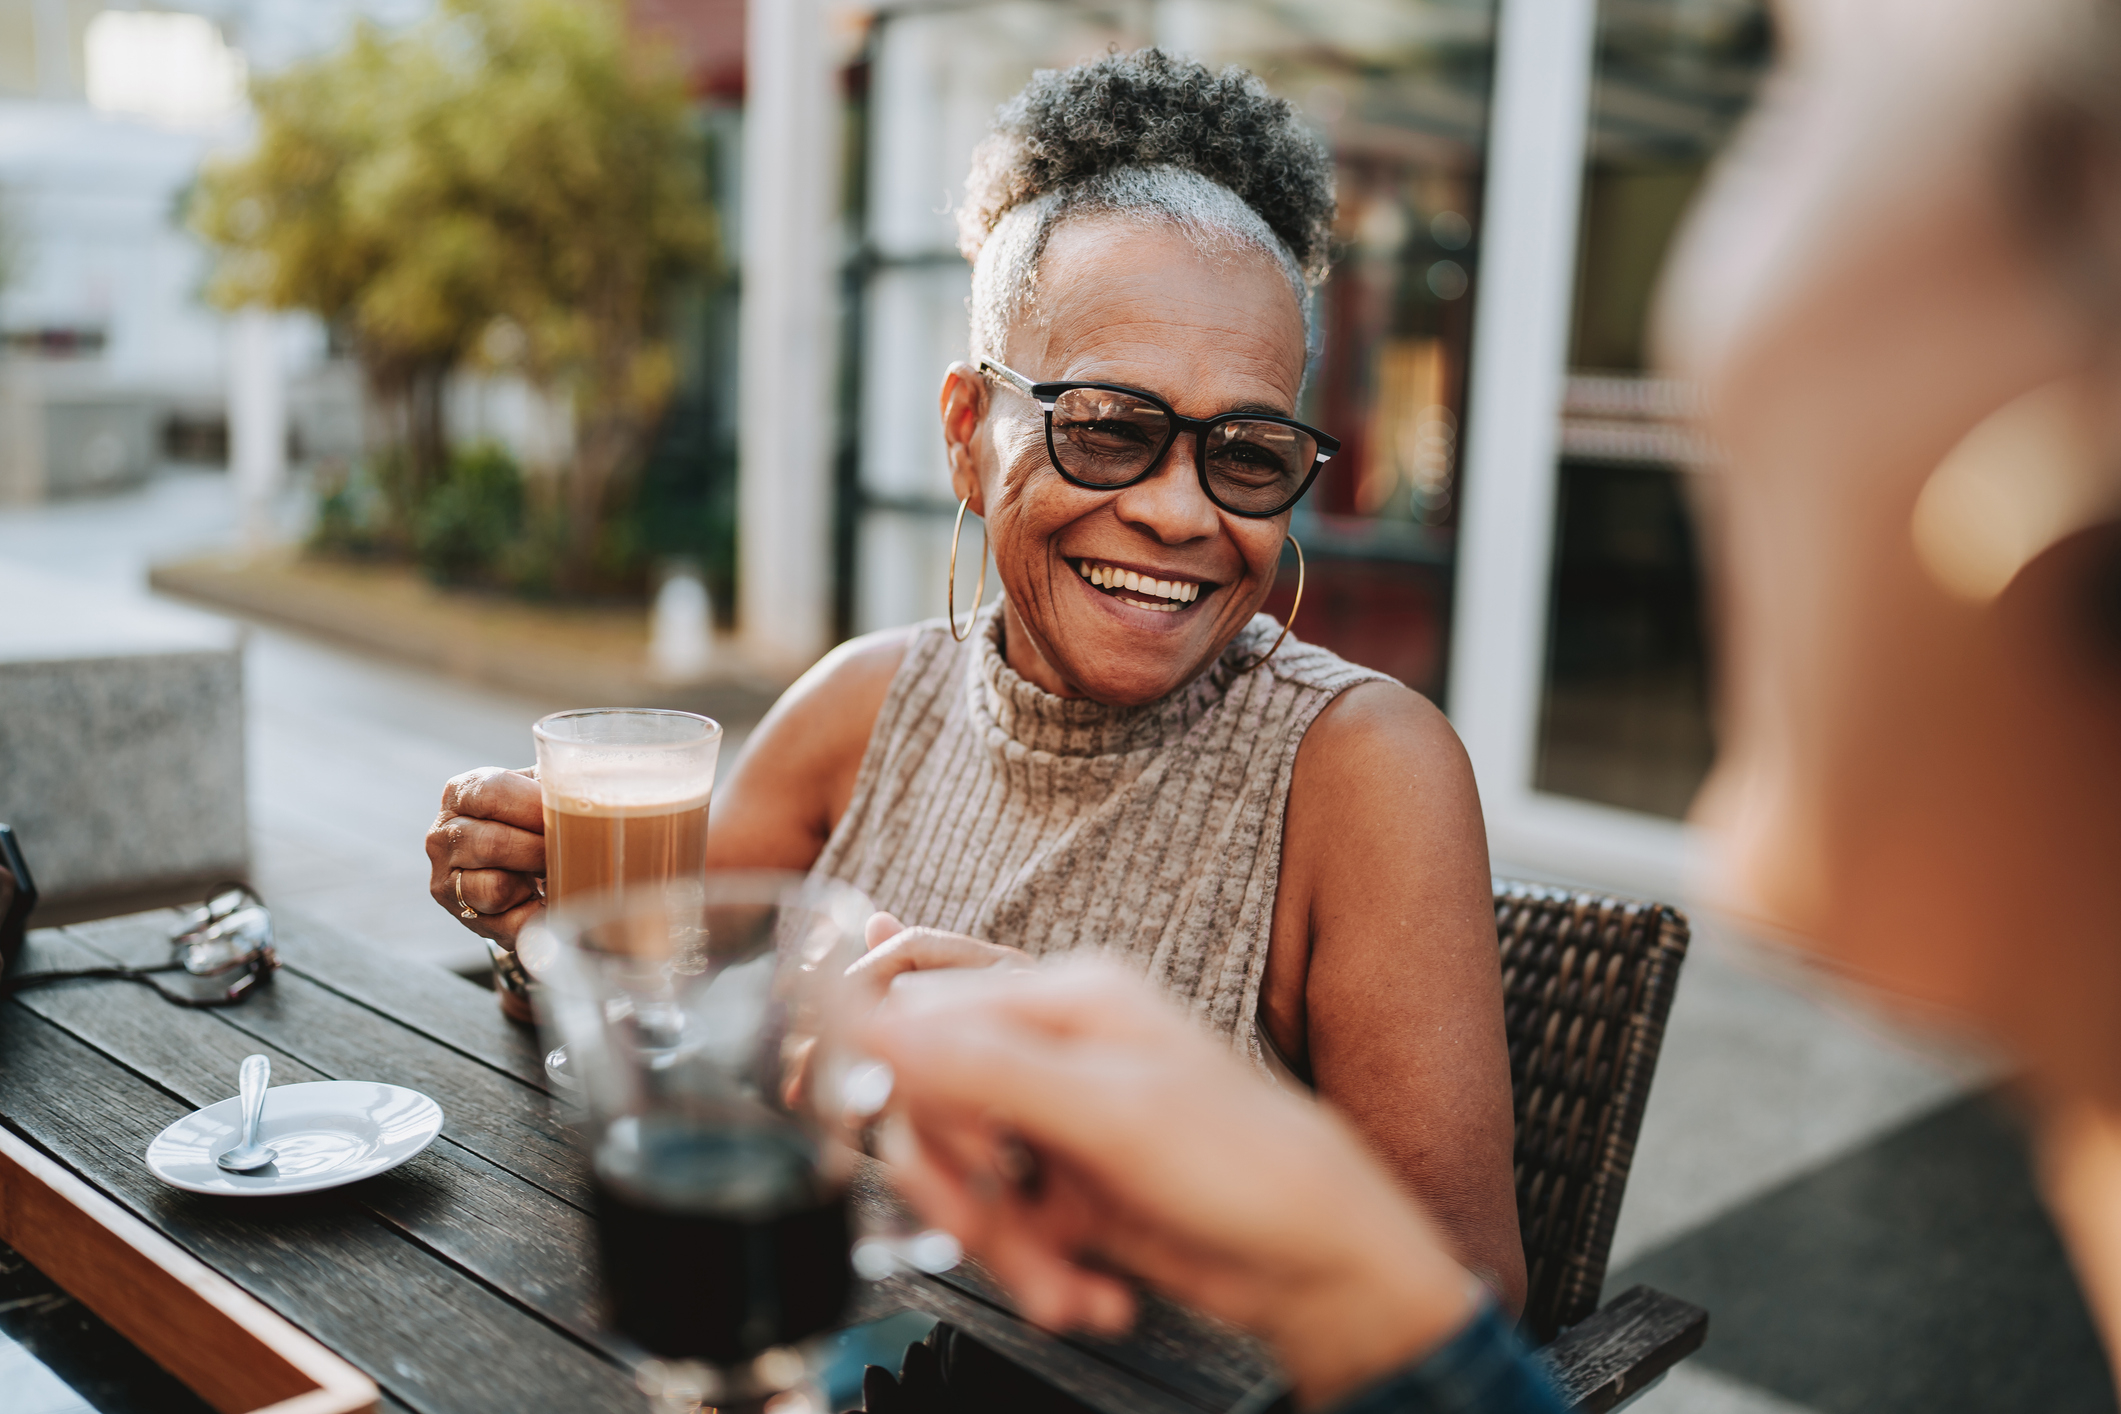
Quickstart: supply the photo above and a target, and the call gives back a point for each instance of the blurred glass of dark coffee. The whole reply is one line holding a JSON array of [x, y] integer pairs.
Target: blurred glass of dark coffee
[[706, 1023]]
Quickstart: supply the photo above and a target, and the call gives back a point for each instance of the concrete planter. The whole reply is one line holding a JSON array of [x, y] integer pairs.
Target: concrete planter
[[121, 742]]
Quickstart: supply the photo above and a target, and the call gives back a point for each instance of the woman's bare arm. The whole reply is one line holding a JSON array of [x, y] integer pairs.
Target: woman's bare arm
[[777, 808], [1384, 976], [774, 809]]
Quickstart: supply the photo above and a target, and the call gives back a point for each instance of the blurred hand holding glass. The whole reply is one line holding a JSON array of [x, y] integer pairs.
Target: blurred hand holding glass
[[704, 1022]]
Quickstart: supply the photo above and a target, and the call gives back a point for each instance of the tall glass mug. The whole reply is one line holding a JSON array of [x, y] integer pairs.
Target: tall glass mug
[[626, 792], [707, 1024]]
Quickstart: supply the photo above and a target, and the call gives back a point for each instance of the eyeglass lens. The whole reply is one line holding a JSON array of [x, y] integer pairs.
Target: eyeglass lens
[[1105, 438]]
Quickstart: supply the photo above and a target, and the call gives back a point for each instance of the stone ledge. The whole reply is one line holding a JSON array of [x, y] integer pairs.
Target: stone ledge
[[566, 655], [121, 740]]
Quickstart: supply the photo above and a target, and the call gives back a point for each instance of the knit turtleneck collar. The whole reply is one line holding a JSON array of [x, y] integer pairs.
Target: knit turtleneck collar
[[1022, 713]]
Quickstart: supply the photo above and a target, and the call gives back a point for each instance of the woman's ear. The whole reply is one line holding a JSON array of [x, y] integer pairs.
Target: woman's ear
[[964, 409]]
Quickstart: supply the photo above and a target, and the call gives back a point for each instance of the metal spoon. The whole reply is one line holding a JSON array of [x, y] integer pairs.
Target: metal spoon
[[250, 1154]]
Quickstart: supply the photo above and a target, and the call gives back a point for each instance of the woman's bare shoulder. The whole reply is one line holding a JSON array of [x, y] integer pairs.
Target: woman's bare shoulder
[[1381, 723], [1382, 756], [867, 663], [843, 691]]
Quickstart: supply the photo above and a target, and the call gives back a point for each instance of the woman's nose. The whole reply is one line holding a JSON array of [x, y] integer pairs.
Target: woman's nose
[[1170, 504]]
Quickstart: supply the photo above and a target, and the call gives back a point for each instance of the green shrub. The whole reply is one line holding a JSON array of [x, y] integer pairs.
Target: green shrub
[[468, 524], [356, 512]]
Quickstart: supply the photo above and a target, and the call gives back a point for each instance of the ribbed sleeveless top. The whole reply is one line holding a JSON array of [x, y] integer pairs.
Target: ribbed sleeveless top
[[987, 806]]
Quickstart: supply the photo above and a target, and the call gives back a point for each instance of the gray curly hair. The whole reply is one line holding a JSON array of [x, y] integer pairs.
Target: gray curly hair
[[1145, 137]]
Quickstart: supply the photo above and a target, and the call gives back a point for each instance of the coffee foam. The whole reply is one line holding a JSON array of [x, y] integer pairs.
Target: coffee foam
[[615, 788]]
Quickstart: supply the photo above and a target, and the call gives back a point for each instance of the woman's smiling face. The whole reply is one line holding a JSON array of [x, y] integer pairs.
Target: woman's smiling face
[[1145, 307]]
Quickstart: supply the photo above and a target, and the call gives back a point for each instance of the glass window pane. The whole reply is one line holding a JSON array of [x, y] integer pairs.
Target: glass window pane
[[1624, 717]]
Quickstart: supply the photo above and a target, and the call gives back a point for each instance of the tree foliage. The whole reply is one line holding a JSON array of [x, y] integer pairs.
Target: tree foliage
[[512, 183]]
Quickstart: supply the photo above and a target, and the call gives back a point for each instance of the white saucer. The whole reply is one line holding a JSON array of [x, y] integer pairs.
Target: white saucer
[[328, 1132]]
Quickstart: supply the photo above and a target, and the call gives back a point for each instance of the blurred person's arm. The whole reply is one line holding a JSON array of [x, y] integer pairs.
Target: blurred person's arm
[[775, 809], [1075, 1132]]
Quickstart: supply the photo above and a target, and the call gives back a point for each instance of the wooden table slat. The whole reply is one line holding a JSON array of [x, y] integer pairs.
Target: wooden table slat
[[461, 1280], [497, 1117], [418, 996], [510, 1234], [440, 1004], [430, 1335], [1171, 1354]]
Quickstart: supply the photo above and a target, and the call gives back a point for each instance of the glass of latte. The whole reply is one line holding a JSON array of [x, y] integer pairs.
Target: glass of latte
[[626, 792]]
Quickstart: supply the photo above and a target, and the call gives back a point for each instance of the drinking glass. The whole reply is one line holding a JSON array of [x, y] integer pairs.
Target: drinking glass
[[706, 1024], [625, 792]]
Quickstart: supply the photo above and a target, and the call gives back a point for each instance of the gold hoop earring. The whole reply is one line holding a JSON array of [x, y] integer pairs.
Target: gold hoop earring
[[1262, 658], [950, 594]]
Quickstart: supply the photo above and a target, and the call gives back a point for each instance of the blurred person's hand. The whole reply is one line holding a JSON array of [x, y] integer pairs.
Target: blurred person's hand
[[894, 948], [492, 827], [1067, 1125]]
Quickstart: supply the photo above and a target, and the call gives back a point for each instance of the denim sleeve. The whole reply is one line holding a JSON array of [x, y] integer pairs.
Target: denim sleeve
[[1483, 1369]]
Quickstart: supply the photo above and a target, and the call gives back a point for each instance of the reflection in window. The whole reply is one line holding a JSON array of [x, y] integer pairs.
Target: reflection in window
[[1625, 716]]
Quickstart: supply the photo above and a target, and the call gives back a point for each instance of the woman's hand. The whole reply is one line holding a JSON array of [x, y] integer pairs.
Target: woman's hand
[[492, 827], [894, 948], [1065, 1122]]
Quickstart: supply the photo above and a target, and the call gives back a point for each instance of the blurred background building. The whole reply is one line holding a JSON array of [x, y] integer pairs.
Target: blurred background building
[[1506, 528], [1505, 532]]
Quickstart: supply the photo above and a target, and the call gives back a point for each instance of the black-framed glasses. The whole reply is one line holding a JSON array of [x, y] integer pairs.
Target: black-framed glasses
[[229, 936], [1105, 437]]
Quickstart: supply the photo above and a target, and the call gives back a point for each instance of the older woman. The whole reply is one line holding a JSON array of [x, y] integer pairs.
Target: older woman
[[1900, 299], [1119, 754]]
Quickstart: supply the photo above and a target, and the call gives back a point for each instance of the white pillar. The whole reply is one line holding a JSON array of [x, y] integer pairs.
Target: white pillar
[[1538, 129], [787, 337], [257, 420]]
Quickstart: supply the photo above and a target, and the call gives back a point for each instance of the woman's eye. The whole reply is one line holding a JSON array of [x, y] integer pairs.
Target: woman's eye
[[1110, 432], [1249, 461]]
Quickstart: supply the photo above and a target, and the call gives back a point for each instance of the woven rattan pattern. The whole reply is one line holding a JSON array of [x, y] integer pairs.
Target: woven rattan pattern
[[1587, 984]]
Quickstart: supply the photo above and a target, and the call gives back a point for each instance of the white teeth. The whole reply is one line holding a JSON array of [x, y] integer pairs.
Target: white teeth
[[1178, 591]]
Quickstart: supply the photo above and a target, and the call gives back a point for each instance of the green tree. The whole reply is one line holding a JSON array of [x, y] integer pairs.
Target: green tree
[[511, 182]]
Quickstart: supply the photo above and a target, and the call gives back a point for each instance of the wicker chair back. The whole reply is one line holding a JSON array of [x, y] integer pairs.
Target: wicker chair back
[[1587, 984]]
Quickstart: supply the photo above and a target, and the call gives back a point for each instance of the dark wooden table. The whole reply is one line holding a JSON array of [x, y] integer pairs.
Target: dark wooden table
[[460, 1281]]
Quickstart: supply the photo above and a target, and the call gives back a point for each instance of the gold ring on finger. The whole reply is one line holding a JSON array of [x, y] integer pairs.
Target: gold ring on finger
[[464, 910]]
